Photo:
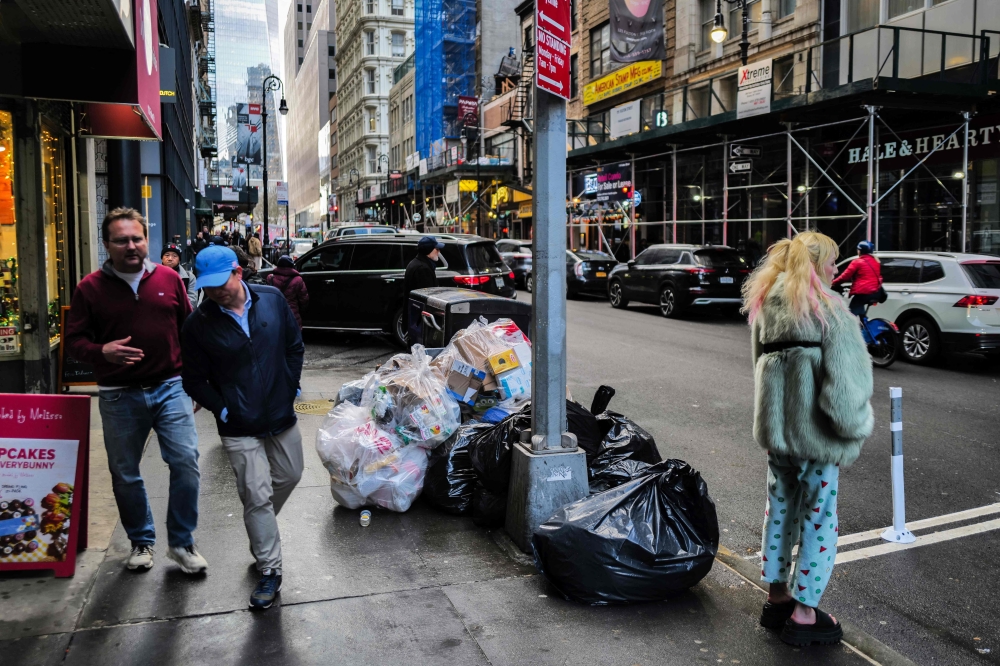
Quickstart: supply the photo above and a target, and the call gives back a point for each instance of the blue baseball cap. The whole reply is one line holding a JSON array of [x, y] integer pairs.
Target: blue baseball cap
[[214, 265]]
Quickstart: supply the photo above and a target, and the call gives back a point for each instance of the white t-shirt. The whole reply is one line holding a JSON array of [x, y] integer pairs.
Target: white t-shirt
[[133, 279]]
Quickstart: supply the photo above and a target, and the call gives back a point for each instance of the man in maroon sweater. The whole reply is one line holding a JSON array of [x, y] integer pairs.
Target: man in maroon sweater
[[126, 319]]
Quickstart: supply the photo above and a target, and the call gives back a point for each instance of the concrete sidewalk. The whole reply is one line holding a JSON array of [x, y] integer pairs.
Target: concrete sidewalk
[[420, 587]]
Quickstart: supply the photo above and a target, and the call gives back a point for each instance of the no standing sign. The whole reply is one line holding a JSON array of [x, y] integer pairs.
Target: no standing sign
[[552, 42]]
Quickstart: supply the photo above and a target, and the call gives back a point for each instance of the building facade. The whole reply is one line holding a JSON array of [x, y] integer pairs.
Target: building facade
[[311, 84], [374, 37]]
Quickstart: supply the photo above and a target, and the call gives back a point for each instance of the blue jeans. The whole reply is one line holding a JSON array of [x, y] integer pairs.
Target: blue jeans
[[127, 416]]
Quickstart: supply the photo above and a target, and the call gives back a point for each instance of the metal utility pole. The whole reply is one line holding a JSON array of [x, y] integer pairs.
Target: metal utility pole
[[872, 149], [965, 179], [270, 84], [549, 470]]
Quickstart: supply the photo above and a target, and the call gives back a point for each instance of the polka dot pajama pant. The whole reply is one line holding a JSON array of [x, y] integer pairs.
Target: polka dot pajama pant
[[801, 509]]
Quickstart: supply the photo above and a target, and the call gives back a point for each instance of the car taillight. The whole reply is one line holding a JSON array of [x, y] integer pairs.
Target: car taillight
[[973, 301], [520, 255], [471, 280], [511, 275], [578, 270], [746, 271], [697, 270]]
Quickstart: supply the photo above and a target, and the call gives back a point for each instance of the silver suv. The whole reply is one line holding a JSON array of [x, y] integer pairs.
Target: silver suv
[[941, 301]]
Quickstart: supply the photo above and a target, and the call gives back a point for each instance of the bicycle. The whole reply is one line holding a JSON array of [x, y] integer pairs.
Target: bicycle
[[882, 338]]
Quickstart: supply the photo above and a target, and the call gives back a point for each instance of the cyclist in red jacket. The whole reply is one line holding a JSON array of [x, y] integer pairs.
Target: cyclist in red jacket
[[865, 276]]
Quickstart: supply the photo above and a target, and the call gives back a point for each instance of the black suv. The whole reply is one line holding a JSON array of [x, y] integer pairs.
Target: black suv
[[356, 283], [517, 255], [677, 277]]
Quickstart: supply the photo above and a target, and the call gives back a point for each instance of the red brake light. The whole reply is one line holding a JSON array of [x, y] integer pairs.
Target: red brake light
[[511, 275], [699, 270], [973, 301], [471, 280]]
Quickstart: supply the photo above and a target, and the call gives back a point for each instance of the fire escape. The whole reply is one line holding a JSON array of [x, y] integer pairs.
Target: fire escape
[[518, 112], [208, 142]]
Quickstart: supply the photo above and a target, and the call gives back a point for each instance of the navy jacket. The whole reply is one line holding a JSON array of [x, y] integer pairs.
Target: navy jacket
[[254, 378]]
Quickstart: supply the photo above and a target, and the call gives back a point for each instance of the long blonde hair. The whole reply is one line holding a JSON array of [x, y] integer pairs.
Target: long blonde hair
[[801, 259]]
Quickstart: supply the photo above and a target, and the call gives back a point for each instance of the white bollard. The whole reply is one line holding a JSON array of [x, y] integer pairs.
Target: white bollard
[[898, 532]]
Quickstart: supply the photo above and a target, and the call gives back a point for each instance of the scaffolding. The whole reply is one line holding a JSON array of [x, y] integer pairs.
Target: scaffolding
[[445, 32], [206, 91]]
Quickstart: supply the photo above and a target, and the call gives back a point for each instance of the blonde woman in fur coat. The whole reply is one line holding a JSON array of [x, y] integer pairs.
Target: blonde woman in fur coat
[[812, 414]]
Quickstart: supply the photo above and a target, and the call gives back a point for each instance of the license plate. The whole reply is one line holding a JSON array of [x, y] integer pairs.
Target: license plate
[[725, 280], [601, 274], [500, 282]]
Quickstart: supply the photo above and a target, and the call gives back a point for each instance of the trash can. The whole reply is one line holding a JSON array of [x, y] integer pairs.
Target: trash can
[[437, 313]]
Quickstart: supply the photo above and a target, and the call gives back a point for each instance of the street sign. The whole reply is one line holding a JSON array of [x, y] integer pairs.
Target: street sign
[[636, 198], [552, 42], [740, 150], [553, 16], [416, 217], [281, 189], [741, 166]]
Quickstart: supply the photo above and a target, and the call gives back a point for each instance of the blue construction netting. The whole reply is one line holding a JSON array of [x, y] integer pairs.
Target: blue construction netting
[[445, 33]]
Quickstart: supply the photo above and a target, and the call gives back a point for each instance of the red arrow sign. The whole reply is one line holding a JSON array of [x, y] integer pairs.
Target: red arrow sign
[[552, 40], [553, 16]]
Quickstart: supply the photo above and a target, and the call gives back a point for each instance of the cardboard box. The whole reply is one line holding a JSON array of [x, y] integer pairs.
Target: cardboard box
[[503, 362], [464, 382], [515, 383]]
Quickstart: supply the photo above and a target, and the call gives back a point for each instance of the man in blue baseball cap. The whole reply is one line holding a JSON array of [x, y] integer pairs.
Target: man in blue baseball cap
[[242, 354]]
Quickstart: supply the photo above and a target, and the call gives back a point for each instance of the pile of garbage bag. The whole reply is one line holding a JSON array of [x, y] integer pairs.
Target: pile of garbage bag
[[451, 478], [376, 450], [644, 540]]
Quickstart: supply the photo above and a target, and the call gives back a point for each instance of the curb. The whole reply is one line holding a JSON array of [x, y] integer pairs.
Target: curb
[[863, 642]]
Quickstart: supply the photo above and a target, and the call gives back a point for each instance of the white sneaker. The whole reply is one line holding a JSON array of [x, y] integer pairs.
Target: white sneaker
[[141, 557], [188, 559]]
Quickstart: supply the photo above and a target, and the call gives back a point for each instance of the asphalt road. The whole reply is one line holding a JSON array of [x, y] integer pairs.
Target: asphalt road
[[690, 383]]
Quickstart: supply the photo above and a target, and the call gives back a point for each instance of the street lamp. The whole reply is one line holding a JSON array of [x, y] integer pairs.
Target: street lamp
[[350, 181], [479, 154], [379, 158], [719, 33], [270, 84]]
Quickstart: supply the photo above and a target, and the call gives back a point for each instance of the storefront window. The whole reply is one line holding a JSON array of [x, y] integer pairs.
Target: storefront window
[[54, 194], [9, 317]]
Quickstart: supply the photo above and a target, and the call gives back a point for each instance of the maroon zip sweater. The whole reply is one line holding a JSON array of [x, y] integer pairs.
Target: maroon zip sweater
[[104, 308]]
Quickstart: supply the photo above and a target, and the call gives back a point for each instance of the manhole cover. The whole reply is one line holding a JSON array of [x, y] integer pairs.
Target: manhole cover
[[320, 407]]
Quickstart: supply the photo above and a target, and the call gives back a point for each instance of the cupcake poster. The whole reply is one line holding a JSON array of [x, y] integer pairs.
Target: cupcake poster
[[37, 477], [637, 30]]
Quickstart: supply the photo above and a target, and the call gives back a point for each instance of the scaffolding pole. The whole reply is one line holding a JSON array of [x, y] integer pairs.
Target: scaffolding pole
[[788, 178], [965, 180], [725, 189], [872, 149], [631, 243], [673, 175]]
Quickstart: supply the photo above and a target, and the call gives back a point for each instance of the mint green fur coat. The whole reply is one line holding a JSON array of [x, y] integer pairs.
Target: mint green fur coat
[[811, 402]]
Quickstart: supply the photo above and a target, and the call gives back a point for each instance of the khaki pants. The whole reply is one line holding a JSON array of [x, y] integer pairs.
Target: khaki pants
[[267, 469]]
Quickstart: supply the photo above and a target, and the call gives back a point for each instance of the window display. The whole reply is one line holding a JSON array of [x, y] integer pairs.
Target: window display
[[9, 318]]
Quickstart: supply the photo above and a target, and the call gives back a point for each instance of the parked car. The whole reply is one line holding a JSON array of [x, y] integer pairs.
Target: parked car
[[679, 277], [517, 255], [299, 246], [941, 301], [586, 273], [356, 283], [359, 230]]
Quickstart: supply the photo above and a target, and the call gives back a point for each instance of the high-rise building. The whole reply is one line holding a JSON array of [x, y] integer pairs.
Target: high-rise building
[[246, 52], [311, 82], [374, 37]]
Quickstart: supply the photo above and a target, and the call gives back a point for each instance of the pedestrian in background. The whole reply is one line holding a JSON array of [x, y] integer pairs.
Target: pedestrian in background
[[243, 360], [421, 273], [171, 258], [126, 319], [292, 286], [256, 251], [812, 413], [865, 275]]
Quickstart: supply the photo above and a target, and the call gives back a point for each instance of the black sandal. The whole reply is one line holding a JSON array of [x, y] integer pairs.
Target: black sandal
[[824, 632], [775, 615]]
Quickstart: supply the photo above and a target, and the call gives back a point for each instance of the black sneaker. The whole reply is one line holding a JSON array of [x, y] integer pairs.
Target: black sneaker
[[267, 589]]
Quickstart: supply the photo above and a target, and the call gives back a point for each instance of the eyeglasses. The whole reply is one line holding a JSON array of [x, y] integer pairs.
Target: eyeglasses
[[124, 242]]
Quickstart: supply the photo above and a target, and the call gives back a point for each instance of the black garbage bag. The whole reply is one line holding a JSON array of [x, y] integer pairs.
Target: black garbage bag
[[450, 477], [489, 509], [490, 450], [602, 398], [642, 541], [623, 439], [614, 475], [588, 430]]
